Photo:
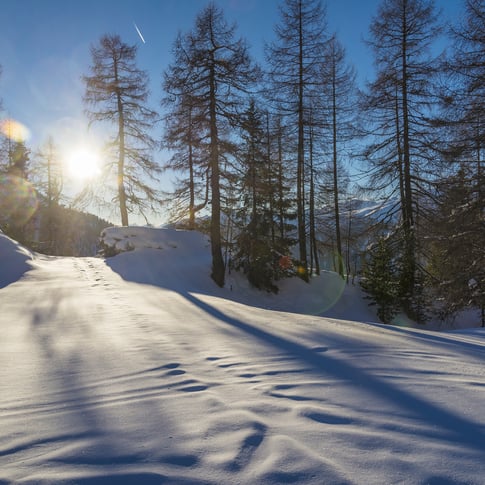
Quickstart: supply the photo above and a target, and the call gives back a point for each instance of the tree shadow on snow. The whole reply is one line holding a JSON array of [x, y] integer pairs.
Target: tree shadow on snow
[[448, 426]]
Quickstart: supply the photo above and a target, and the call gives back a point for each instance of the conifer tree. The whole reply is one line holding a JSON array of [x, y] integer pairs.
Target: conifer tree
[[18, 199], [294, 59], [48, 179], [456, 235], [338, 81], [259, 249], [116, 93], [397, 108], [463, 99], [215, 69], [184, 138], [380, 279]]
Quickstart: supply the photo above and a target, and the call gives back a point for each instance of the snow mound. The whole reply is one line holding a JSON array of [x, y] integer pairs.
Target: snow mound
[[14, 260], [181, 261], [168, 258]]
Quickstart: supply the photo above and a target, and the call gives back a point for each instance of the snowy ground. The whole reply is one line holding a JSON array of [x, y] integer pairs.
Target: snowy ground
[[138, 369]]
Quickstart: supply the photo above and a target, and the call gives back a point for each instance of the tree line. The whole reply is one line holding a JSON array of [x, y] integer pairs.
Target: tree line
[[262, 153]]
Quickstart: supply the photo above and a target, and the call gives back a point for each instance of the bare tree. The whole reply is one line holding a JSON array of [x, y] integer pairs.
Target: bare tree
[[294, 59], [398, 108], [214, 69], [116, 93], [47, 176], [338, 81]]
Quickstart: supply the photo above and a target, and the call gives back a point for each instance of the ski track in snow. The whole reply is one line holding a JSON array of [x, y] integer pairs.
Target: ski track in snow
[[109, 381]]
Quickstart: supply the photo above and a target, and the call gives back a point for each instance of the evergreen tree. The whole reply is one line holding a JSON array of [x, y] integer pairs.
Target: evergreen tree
[[380, 279], [283, 197], [116, 93], [18, 199], [214, 68], [457, 258], [259, 249]]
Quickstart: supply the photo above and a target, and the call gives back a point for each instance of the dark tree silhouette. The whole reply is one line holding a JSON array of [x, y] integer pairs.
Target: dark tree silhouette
[[398, 109], [116, 93], [294, 59], [214, 69]]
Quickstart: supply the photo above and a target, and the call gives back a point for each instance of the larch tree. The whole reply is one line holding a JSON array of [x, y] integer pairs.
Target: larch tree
[[294, 58], [464, 97], [116, 93], [185, 136], [397, 108], [338, 81], [48, 180], [213, 67]]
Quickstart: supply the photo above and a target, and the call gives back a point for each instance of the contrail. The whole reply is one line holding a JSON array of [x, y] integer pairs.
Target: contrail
[[139, 33]]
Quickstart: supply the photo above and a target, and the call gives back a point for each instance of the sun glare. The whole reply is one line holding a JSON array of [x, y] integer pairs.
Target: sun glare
[[84, 164]]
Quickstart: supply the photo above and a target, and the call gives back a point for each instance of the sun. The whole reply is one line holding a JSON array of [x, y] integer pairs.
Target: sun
[[84, 163]]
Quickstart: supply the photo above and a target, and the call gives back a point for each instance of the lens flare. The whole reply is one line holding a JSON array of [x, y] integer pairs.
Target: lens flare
[[326, 292], [14, 130], [18, 200]]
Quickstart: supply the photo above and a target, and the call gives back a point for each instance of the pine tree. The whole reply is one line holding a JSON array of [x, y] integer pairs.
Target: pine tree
[[116, 93], [215, 69]]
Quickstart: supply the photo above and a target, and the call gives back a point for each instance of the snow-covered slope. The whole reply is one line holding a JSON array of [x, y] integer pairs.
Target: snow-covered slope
[[139, 370], [14, 260], [181, 260]]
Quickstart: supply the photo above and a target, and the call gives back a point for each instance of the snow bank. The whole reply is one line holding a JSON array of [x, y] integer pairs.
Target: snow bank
[[14, 260], [181, 260]]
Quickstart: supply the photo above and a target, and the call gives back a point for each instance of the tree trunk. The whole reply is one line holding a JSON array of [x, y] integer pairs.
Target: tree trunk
[[191, 176], [300, 176], [216, 246], [340, 260], [408, 226], [121, 154], [313, 235]]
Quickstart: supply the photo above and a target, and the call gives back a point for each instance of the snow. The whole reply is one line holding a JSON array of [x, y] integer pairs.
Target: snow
[[138, 369], [14, 260]]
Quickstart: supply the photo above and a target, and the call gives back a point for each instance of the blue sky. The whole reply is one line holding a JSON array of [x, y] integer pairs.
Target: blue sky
[[44, 48]]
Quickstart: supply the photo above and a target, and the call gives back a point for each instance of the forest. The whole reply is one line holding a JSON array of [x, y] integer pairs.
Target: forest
[[276, 161]]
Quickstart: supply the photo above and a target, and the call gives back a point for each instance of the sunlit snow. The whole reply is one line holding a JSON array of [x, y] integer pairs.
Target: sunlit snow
[[138, 369]]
